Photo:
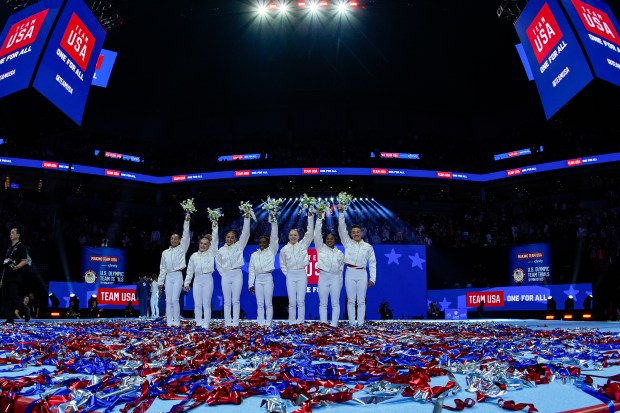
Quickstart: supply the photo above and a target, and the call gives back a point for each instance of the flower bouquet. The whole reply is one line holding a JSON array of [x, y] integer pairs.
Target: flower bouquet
[[272, 206], [215, 214], [344, 199], [321, 207], [307, 202], [246, 210], [188, 206]]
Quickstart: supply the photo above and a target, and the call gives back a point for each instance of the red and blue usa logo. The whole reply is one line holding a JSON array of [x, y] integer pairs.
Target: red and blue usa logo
[[78, 41], [596, 21], [23, 33], [544, 33]]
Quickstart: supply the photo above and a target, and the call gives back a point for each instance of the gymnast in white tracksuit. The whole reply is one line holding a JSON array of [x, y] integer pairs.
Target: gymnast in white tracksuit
[[170, 272], [330, 264], [229, 261], [201, 266], [293, 262], [357, 254], [261, 279]]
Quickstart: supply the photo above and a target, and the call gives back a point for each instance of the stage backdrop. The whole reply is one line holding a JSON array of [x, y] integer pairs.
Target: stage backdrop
[[401, 281]]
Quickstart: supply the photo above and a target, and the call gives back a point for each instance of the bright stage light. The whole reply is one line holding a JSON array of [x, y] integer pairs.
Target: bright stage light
[[283, 8], [301, 4], [262, 10], [323, 3], [313, 7], [342, 7]]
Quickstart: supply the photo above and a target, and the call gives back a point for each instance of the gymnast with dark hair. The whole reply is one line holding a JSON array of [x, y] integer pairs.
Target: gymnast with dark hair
[[229, 261], [357, 255], [330, 264], [260, 283]]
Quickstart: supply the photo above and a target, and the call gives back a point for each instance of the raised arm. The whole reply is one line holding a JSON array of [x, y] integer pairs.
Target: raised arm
[[273, 237], [318, 236], [307, 239], [245, 233], [185, 239], [342, 230], [215, 237]]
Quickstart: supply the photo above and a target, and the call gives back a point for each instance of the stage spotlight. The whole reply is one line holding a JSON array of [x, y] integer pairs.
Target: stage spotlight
[[366, 199], [301, 4], [262, 10], [549, 317], [372, 199], [331, 199], [283, 8], [569, 304], [54, 301], [551, 304], [323, 3], [587, 303], [313, 7], [342, 7], [272, 5]]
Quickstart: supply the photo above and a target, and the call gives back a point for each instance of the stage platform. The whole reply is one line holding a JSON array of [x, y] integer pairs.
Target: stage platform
[[133, 365]]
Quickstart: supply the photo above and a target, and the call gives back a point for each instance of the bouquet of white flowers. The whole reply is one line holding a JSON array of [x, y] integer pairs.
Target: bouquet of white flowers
[[188, 206], [246, 210], [307, 202], [321, 207], [272, 206], [344, 199], [215, 214]]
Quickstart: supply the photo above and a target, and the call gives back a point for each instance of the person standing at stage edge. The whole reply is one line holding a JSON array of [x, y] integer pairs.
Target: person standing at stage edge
[[293, 262], [229, 261], [15, 260], [357, 254], [170, 273]]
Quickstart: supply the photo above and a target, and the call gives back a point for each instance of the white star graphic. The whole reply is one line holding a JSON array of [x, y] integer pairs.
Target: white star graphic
[[393, 257], [416, 261], [571, 291], [445, 304]]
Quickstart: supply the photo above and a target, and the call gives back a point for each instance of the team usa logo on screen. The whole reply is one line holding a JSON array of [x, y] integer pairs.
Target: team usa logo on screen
[[78, 41], [544, 33], [596, 21], [23, 33]]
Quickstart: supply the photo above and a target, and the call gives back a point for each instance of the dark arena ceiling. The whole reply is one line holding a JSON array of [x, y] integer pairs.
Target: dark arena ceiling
[[195, 79]]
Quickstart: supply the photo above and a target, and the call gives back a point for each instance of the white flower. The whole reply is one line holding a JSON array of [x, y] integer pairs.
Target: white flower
[[307, 202], [272, 206], [188, 206], [344, 199], [321, 207], [246, 210], [215, 214]]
